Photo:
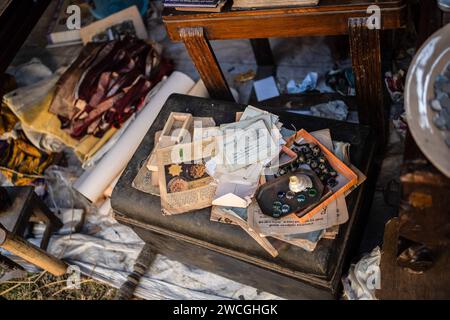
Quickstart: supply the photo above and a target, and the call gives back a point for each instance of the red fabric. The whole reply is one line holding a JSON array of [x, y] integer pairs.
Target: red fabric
[[115, 85]]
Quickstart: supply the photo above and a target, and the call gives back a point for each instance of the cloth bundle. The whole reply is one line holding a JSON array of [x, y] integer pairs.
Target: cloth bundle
[[106, 84], [21, 162]]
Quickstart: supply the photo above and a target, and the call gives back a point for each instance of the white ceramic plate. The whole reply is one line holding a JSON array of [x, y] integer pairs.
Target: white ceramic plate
[[431, 60]]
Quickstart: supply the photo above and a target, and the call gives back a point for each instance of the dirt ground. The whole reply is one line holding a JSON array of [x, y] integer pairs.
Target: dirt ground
[[44, 286]]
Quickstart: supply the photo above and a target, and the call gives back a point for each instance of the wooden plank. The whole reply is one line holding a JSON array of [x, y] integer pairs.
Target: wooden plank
[[262, 51], [366, 61], [206, 63], [425, 214], [282, 22], [22, 248], [399, 283]]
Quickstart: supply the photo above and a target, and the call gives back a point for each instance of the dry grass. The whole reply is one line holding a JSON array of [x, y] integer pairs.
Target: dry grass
[[44, 286]]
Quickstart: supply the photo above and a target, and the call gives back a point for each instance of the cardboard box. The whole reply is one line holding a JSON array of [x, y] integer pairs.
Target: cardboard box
[[351, 178]]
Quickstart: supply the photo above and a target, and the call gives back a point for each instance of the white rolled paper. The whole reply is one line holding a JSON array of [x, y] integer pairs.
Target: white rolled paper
[[93, 183]]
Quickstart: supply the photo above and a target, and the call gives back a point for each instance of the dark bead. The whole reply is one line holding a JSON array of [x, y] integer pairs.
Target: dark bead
[[312, 192], [332, 182], [305, 149], [276, 213], [301, 198], [277, 204], [445, 101], [290, 195], [285, 208]]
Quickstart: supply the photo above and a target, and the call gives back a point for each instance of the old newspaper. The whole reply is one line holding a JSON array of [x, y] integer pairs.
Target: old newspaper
[[184, 184]]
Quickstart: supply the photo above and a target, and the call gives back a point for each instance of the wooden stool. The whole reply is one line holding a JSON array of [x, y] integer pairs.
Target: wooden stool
[[329, 18], [24, 209]]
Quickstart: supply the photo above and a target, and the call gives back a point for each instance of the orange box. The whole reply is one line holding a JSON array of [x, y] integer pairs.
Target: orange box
[[337, 165]]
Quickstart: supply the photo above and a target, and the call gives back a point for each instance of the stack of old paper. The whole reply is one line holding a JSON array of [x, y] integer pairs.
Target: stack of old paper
[[324, 225], [196, 164], [244, 148]]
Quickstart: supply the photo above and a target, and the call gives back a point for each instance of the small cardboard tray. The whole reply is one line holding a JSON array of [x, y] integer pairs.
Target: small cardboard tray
[[176, 128], [347, 178]]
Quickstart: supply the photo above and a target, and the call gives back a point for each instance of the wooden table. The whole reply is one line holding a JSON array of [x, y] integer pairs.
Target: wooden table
[[330, 17]]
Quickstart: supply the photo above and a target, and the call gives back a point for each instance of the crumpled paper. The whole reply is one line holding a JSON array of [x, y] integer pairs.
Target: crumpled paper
[[363, 277], [308, 84], [30, 72], [337, 110]]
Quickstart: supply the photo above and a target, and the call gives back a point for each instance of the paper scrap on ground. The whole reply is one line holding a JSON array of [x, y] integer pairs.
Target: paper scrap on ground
[[363, 277], [309, 83], [266, 88]]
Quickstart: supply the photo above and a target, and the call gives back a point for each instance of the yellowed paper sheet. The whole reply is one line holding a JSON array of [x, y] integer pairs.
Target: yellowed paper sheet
[[225, 216], [131, 13], [184, 184]]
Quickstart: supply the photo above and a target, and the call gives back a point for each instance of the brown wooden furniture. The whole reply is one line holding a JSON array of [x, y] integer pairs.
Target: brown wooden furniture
[[23, 208], [415, 262], [17, 19], [228, 250], [29, 252], [330, 17]]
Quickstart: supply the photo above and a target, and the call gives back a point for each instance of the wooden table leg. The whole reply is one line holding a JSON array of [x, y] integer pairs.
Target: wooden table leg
[[43, 214], [262, 51], [206, 63], [366, 61], [264, 59]]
